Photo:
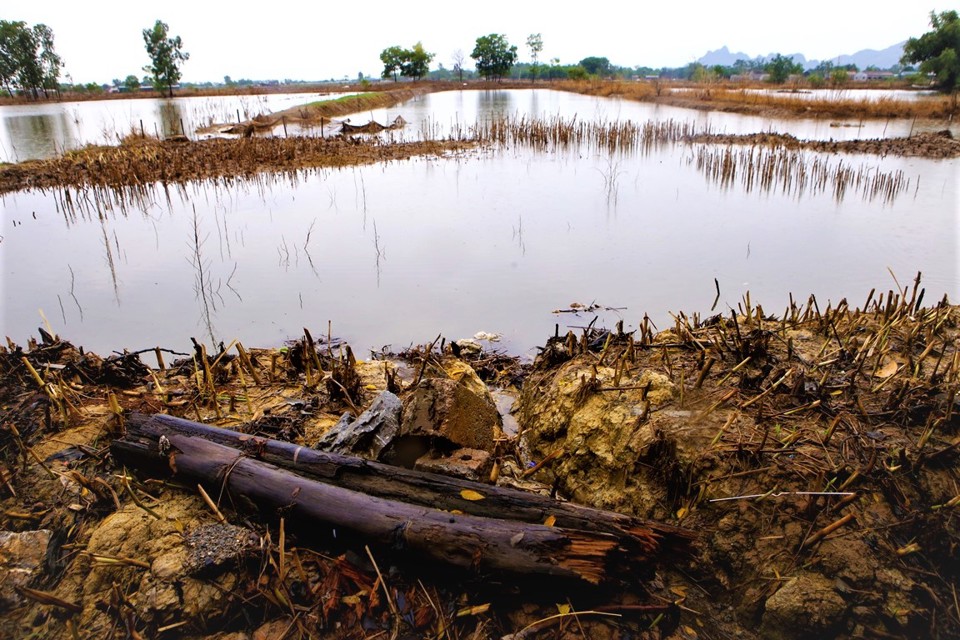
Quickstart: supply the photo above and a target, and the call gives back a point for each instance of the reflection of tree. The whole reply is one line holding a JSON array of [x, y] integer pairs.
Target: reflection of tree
[[39, 136], [110, 261], [170, 115], [202, 285]]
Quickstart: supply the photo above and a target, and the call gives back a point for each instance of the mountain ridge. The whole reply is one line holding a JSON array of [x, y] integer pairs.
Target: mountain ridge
[[881, 58]]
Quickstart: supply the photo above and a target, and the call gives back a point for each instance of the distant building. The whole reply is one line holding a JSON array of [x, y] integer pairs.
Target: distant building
[[864, 76], [753, 76]]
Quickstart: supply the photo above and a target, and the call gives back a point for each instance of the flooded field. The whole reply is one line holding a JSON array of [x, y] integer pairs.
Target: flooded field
[[45, 130], [494, 240]]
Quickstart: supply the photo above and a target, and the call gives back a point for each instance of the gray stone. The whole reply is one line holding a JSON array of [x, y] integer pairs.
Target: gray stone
[[370, 433]]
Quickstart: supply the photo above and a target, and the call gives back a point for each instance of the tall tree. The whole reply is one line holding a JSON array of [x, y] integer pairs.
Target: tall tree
[[494, 56], [417, 62], [535, 44], [938, 51], [28, 61], [458, 58], [166, 56], [392, 59], [50, 62]]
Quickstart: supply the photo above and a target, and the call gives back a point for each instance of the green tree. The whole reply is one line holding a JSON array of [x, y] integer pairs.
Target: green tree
[[131, 83], [166, 56], [781, 68], [938, 51], [494, 56], [392, 59], [28, 60], [416, 63], [535, 44], [596, 66]]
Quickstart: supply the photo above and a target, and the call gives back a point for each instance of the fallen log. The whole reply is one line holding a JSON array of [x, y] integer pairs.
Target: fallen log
[[468, 542], [644, 540]]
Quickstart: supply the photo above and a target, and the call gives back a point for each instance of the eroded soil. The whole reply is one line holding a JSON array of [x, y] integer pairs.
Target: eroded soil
[[815, 456]]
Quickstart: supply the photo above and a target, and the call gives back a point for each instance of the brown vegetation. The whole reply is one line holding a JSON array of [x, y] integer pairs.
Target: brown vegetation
[[140, 162], [815, 454], [722, 98]]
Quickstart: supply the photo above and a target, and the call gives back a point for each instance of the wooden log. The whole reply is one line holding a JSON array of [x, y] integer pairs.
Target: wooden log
[[468, 542], [652, 541]]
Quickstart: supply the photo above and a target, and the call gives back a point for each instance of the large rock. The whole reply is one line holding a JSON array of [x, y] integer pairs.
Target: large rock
[[21, 559], [370, 433], [805, 607], [457, 409], [617, 449]]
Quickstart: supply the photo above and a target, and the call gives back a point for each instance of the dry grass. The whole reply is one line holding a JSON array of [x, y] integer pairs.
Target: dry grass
[[729, 98]]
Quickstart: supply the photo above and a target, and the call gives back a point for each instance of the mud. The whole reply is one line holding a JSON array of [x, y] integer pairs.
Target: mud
[[925, 145], [816, 455]]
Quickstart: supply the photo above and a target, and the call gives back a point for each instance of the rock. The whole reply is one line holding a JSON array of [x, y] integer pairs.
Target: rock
[[621, 450], [215, 546], [458, 409], [805, 607], [470, 464], [470, 347], [370, 433], [21, 559]]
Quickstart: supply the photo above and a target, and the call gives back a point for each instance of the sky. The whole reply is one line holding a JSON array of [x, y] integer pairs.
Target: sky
[[101, 40]]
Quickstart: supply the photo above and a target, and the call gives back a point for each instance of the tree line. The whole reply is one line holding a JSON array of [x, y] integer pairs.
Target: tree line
[[936, 53], [30, 65]]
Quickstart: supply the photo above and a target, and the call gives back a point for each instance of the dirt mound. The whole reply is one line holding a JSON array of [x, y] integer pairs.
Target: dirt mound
[[925, 145], [817, 456]]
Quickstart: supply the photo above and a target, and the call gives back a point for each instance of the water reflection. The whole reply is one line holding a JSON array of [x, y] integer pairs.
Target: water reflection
[[45, 130], [170, 114], [495, 241], [36, 136]]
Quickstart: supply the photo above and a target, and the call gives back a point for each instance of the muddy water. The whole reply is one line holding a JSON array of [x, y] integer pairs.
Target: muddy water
[[42, 131], [493, 241]]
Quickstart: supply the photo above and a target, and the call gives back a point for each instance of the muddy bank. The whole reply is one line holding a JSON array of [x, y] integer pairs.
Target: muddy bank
[[144, 161], [731, 98], [815, 455], [939, 145], [317, 113]]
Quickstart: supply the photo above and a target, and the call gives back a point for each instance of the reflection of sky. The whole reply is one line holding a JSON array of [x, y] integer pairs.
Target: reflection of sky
[[43, 130], [491, 242]]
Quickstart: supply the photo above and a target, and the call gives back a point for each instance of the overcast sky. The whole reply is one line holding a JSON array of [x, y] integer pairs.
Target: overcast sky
[[100, 40]]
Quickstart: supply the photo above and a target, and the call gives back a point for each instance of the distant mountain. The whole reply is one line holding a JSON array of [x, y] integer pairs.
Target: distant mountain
[[721, 56], [884, 59]]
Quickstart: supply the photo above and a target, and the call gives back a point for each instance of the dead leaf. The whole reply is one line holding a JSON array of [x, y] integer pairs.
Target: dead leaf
[[887, 369]]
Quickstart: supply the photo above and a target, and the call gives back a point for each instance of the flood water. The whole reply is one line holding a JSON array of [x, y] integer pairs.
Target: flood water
[[44, 130], [493, 241]]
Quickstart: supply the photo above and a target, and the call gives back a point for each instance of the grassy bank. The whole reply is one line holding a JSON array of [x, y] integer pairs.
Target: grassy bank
[[741, 100]]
